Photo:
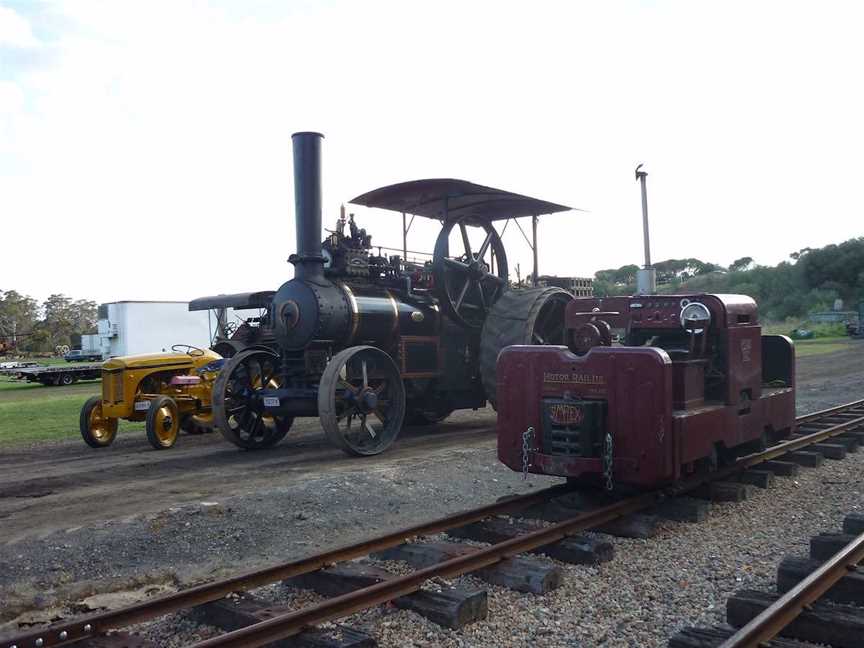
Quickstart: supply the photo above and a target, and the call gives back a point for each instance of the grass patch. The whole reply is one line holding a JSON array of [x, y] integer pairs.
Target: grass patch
[[46, 413], [819, 346], [15, 390]]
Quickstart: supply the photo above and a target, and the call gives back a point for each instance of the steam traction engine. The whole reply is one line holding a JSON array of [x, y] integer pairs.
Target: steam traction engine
[[365, 341], [693, 384]]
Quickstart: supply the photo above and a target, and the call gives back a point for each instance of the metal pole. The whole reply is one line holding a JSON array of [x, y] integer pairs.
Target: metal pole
[[640, 176], [534, 245], [404, 239], [646, 280]]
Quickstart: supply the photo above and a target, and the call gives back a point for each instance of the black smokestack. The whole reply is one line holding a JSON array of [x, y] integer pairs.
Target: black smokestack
[[308, 262]]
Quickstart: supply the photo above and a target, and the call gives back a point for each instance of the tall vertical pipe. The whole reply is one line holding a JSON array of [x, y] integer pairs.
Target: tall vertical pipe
[[308, 261], [646, 278], [534, 247]]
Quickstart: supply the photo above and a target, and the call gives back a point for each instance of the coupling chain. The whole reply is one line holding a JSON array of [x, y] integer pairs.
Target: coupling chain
[[527, 444], [607, 462]]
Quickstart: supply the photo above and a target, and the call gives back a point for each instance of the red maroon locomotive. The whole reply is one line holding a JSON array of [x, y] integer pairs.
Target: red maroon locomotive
[[692, 383]]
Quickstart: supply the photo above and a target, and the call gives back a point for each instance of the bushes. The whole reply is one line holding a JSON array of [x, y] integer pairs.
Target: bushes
[[788, 290]]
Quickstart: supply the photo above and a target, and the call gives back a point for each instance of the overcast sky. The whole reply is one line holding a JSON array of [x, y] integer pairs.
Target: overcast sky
[[145, 148]]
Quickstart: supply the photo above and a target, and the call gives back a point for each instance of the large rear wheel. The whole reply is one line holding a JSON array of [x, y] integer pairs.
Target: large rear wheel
[[361, 401], [236, 408], [532, 316]]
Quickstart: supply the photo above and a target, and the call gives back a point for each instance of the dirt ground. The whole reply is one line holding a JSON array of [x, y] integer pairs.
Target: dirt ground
[[126, 516]]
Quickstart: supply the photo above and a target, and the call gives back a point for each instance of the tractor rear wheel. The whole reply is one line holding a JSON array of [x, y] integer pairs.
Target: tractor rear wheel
[[162, 423], [197, 423], [97, 430], [532, 316]]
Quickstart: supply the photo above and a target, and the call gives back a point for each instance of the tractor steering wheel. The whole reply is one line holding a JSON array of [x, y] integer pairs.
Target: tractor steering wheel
[[193, 351]]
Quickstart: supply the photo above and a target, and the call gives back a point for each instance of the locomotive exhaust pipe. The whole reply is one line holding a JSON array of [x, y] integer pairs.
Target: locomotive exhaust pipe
[[308, 261]]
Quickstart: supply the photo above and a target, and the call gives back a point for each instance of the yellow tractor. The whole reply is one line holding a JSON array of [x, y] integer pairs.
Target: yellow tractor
[[168, 391]]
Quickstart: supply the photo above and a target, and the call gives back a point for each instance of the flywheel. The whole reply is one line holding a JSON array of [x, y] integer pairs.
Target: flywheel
[[532, 316]]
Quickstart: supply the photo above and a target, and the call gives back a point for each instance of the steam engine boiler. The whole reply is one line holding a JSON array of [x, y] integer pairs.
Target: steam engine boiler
[[367, 341], [692, 383]]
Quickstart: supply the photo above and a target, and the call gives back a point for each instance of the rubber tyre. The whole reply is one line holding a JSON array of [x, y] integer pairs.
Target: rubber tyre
[[511, 321], [84, 425], [167, 437], [66, 380]]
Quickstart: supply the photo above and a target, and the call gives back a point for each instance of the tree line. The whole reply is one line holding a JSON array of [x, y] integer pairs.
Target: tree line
[[59, 320], [811, 280]]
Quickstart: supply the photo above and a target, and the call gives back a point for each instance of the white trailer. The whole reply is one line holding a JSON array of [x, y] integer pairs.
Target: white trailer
[[91, 343], [135, 327]]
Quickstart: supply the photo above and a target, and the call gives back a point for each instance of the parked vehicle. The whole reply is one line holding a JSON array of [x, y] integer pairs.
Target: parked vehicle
[[56, 375], [168, 391], [366, 341], [694, 385]]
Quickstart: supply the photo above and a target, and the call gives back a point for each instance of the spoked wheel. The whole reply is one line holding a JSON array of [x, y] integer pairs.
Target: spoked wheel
[[467, 286], [162, 423], [237, 411], [97, 430], [361, 401]]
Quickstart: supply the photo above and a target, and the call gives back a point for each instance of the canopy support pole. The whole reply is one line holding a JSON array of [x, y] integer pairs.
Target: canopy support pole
[[534, 246], [404, 239]]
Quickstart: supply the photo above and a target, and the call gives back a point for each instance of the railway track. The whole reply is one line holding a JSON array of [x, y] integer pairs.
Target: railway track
[[830, 432], [819, 600]]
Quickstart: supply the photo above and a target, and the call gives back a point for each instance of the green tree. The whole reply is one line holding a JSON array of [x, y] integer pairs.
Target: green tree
[[18, 314], [739, 265]]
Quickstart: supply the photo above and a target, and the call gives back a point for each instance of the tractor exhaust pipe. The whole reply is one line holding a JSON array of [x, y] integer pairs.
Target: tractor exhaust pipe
[[308, 261]]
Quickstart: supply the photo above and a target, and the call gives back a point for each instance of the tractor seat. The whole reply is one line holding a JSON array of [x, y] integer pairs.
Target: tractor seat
[[179, 381]]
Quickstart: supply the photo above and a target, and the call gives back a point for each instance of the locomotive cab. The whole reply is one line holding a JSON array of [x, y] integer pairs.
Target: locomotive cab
[[692, 383]]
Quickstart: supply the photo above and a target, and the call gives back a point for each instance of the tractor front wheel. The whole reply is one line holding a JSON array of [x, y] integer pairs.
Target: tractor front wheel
[[162, 423], [97, 430]]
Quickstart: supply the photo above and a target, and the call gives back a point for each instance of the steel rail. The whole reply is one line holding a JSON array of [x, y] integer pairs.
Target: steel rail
[[66, 632], [777, 616], [806, 418], [292, 623]]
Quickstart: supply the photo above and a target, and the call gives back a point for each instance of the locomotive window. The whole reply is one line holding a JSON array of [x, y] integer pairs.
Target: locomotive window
[[743, 319]]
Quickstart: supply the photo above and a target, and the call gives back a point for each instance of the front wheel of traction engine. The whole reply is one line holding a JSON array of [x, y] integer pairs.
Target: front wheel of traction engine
[[361, 401], [162, 423], [237, 409], [97, 430]]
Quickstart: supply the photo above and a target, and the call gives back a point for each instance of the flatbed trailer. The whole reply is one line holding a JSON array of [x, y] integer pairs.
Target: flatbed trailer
[[54, 375]]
